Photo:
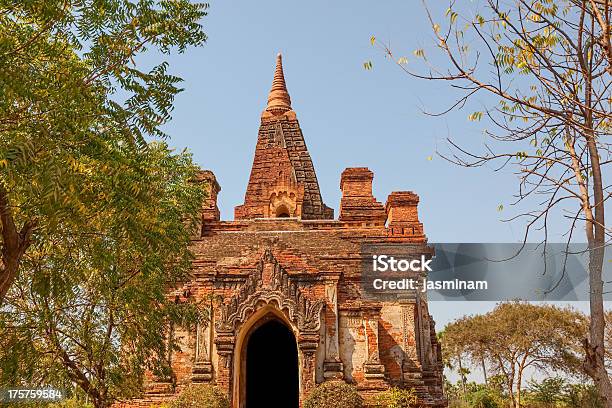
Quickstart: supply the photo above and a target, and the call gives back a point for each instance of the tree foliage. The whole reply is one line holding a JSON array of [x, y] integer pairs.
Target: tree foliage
[[73, 102], [92, 307], [96, 212], [552, 392], [395, 398], [201, 395], [515, 336], [334, 394], [557, 392]]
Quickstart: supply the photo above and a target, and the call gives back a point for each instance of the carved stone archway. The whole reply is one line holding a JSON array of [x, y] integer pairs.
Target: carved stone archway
[[268, 290]]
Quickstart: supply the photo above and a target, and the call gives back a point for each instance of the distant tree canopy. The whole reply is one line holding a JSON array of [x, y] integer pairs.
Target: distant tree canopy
[[96, 212], [517, 336], [552, 392]]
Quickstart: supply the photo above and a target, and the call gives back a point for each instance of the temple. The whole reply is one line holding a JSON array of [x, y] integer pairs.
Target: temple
[[285, 288]]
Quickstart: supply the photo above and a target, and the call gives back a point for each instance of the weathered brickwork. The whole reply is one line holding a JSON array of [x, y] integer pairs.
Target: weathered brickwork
[[283, 180], [285, 256]]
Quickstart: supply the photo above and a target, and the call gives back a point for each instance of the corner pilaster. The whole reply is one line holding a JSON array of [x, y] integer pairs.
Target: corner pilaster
[[332, 365]]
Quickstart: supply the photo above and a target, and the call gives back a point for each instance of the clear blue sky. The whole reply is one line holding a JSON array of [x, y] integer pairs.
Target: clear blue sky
[[349, 116]]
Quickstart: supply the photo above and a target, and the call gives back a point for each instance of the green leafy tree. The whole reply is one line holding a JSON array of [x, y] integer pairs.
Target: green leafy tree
[[516, 336], [543, 69], [92, 307], [73, 102], [476, 395], [96, 212], [482, 396], [461, 347]]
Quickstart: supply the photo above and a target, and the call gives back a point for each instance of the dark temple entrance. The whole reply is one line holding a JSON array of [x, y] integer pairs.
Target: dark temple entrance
[[272, 367]]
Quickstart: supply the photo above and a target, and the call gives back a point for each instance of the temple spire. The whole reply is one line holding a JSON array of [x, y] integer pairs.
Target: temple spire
[[279, 101]]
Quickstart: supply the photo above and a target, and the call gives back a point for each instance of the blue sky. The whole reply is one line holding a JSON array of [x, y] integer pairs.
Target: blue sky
[[349, 116]]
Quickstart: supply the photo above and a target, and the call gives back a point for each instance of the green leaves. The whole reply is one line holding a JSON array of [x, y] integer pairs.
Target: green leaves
[[396, 398], [516, 335], [82, 158], [97, 274]]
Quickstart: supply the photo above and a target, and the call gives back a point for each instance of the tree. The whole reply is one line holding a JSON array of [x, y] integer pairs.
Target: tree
[[92, 308], [395, 398], [96, 212], [546, 67], [64, 65], [516, 336], [463, 335], [458, 346], [481, 396]]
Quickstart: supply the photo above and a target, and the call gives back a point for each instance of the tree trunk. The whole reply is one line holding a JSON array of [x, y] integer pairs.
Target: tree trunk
[[596, 235], [99, 403], [518, 388], [461, 375], [484, 370], [14, 243], [595, 348]]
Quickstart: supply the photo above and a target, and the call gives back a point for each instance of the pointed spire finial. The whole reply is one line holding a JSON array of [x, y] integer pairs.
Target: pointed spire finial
[[278, 99]]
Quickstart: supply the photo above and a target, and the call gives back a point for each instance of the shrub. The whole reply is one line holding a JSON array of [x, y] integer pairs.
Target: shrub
[[547, 393], [201, 396], [484, 398], [582, 396], [396, 398], [334, 394], [68, 402]]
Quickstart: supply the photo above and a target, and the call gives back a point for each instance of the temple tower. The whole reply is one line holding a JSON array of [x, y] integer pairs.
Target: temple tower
[[283, 182]]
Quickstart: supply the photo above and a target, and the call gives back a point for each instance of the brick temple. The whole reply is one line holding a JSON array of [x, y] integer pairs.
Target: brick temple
[[284, 275]]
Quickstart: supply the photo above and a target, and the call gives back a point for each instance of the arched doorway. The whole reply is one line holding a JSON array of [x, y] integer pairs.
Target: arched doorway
[[272, 367]]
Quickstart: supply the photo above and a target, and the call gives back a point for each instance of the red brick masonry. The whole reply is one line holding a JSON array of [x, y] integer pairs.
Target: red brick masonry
[[285, 257]]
